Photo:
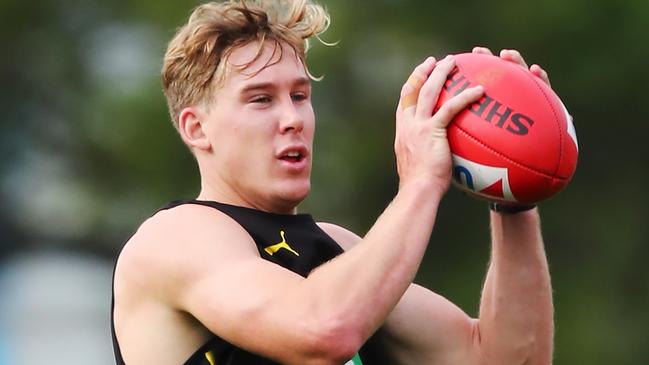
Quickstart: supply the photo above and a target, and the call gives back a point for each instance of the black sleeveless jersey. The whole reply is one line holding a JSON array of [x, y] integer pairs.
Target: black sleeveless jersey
[[294, 242]]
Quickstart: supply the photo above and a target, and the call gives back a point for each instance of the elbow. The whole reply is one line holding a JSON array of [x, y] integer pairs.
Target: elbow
[[531, 348], [519, 350], [535, 350], [333, 342], [516, 352]]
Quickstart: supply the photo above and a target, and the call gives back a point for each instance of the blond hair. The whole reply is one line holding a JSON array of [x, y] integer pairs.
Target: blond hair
[[194, 64]]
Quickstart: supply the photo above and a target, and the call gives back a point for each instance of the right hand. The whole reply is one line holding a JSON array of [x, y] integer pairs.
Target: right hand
[[420, 143]]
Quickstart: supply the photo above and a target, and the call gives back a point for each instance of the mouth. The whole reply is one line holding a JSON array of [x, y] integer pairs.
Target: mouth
[[293, 154]]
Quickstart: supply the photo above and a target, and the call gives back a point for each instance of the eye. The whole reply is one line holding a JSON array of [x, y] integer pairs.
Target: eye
[[301, 96], [261, 99]]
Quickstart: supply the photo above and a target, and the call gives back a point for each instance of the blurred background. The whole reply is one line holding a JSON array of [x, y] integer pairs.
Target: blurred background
[[88, 152]]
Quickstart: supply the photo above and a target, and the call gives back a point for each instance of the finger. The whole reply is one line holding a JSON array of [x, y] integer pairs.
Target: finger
[[429, 93], [513, 56], [456, 104], [410, 90], [540, 73], [413, 85], [482, 50]]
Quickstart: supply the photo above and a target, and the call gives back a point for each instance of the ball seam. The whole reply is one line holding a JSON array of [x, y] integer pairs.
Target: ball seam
[[556, 120], [474, 139]]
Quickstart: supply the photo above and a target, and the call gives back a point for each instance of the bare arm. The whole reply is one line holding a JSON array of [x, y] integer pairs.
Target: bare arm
[[516, 312], [515, 324]]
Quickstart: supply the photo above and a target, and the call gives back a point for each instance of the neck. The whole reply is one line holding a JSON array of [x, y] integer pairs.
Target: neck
[[217, 190]]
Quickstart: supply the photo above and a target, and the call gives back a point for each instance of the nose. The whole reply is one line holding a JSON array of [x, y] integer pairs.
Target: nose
[[291, 119]]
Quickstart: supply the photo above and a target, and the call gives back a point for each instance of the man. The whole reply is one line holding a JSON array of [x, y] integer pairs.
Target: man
[[237, 277]]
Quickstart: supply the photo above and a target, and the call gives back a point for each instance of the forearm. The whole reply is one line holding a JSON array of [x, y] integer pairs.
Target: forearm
[[516, 313], [361, 287]]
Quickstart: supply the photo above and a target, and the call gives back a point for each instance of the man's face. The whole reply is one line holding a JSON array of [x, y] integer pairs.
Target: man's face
[[261, 130]]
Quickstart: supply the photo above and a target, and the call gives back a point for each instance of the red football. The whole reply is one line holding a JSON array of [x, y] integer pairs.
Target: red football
[[517, 144]]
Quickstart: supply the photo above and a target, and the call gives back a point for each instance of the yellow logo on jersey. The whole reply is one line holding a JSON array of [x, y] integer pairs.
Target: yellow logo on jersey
[[276, 247], [210, 357]]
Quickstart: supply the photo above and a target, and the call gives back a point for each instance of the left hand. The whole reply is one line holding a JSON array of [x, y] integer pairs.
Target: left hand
[[513, 55]]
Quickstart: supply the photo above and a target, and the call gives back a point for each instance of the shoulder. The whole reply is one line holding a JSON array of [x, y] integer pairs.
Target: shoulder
[[171, 246], [344, 237]]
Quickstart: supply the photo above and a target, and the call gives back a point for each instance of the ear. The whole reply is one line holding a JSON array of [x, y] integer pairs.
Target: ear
[[190, 126]]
